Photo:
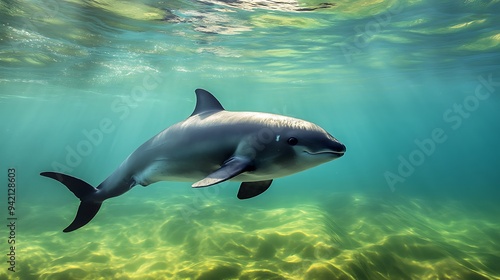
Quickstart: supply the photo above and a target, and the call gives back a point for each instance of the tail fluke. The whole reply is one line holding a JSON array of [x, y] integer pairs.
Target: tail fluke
[[86, 212], [88, 208]]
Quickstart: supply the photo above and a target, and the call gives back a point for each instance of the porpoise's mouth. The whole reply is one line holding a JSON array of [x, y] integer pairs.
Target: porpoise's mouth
[[336, 153], [337, 150]]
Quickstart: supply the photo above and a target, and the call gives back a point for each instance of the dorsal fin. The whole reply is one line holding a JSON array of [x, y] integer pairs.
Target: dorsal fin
[[206, 102]]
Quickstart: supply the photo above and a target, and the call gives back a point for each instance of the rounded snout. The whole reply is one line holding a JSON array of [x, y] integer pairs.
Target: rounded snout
[[338, 148], [333, 148]]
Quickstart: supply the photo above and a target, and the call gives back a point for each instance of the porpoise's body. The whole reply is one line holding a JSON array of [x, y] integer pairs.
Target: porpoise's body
[[211, 146]]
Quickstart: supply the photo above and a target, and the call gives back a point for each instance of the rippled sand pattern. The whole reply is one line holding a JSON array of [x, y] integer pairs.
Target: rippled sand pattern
[[343, 237]]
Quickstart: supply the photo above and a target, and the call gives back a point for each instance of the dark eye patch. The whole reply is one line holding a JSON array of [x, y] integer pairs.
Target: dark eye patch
[[292, 141]]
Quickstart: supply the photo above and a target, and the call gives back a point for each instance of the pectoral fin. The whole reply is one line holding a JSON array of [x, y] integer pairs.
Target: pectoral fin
[[252, 189], [231, 168]]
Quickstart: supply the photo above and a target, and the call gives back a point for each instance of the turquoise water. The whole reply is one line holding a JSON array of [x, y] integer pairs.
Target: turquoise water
[[410, 87]]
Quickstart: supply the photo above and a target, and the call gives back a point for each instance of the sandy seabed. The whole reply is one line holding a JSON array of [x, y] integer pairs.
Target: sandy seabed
[[344, 236]]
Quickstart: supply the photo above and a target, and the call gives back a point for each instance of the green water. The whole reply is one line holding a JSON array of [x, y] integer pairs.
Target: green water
[[410, 87]]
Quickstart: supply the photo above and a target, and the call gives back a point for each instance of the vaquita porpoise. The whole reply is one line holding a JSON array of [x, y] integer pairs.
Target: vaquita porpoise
[[211, 146]]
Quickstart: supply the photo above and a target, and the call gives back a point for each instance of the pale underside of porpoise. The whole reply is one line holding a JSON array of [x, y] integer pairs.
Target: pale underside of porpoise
[[211, 146]]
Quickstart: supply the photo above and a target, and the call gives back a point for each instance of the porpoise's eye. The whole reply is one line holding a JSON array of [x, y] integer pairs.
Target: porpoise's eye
[[292, 141]]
